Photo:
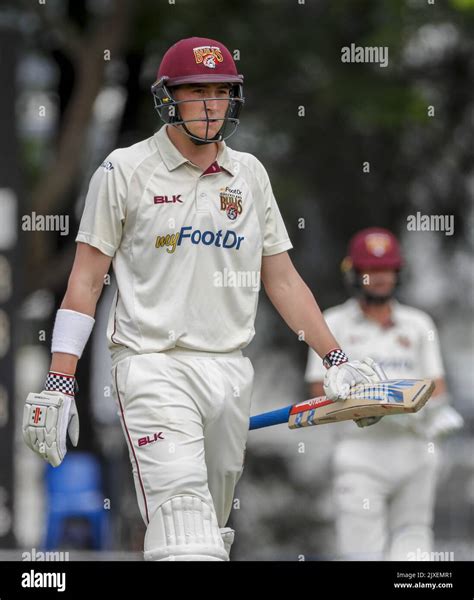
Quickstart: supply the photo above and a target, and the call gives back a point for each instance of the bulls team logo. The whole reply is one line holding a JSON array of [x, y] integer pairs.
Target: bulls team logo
[[231, 202], [377, 244], [208, 55], [232, 211]]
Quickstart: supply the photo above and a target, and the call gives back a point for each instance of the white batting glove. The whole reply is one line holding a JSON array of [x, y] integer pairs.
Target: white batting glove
[[443, 421], [46, 419], [438, 418], [339, 380]]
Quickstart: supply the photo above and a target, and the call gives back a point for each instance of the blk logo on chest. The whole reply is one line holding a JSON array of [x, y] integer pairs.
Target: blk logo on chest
[[150, 439], [167, 199]]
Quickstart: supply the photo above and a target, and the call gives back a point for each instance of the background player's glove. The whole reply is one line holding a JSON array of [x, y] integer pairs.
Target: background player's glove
[[442, 419], [48, 416], [436, 419]]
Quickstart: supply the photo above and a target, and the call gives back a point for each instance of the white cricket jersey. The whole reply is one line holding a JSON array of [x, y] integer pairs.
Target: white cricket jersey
[[409, 348], [187, 246]]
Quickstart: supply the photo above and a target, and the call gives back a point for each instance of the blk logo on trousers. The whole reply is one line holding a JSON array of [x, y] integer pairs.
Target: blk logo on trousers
[[150, 439]]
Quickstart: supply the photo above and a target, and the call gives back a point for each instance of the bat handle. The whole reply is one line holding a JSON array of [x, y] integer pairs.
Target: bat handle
[[274, 417]]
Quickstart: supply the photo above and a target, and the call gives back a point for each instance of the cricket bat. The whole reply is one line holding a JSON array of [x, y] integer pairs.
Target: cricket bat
[[390, 397]]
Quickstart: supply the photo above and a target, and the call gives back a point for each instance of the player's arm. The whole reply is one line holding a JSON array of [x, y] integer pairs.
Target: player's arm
[[295, 302], [83, 292], [48, 416]]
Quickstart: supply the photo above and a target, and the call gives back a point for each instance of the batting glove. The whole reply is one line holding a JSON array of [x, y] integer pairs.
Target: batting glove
[[48, 416], [339, 380], [438, 418]]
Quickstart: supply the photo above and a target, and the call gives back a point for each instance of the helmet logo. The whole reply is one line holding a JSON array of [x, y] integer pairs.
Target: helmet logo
[[208, 55], [209, 61], [377, 244]]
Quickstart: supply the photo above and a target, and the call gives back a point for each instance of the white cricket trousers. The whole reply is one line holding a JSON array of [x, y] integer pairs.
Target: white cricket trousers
[[185, 417], [384, 492]]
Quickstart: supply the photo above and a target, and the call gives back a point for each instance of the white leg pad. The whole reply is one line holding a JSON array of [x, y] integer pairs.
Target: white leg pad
[[227, 535], [184, 528]]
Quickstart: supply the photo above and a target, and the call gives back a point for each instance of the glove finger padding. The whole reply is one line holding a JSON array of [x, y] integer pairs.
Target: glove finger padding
[[333, 386], [73, 428], [46, 419], [339, 380], [376, 368]]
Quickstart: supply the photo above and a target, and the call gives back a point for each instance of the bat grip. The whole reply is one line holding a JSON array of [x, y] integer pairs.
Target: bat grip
[[274, 417]]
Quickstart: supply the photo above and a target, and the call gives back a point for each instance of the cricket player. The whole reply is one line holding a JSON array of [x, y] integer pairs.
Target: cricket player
[[187, 223], [385, 476]]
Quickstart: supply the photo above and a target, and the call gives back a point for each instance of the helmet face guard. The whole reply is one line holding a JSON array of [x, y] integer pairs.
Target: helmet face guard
[[354, 281], [168, 109]]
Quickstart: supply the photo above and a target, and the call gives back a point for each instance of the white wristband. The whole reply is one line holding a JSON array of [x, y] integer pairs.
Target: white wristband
[[71, 332]]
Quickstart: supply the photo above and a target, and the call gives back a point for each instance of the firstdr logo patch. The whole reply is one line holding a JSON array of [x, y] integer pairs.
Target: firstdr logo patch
[[227, 239]]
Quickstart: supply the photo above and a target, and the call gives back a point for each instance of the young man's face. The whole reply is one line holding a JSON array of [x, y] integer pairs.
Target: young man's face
[[216, 108], [379, 282]]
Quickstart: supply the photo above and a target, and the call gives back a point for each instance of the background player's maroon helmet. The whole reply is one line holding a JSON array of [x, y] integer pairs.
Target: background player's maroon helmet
[[371, 248], [198, 60], [374, 248]]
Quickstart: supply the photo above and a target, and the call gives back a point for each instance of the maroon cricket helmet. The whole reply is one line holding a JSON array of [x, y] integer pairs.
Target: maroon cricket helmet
[[371, 248], [198, 60], [374, 248], [192, 61]]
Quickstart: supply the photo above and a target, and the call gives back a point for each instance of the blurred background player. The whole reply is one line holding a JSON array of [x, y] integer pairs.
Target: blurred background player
[[385, 475], [176, 213]]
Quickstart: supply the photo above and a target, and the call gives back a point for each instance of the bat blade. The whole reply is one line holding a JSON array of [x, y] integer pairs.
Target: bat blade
[[394, 396], [391, 397]]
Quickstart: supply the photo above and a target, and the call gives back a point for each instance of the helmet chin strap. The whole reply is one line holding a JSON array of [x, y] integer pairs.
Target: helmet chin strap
[[376, 300], [200, 141]]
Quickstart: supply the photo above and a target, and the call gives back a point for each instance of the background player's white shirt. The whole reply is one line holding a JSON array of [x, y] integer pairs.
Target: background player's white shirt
[[186, 246], [407, 349]]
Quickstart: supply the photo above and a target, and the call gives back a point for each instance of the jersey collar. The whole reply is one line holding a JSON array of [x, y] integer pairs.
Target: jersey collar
[[173, 158]]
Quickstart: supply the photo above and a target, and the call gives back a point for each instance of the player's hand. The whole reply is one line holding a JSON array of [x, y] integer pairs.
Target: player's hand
[[46, 419], [436, 419], [442, 421], [339, 380]]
